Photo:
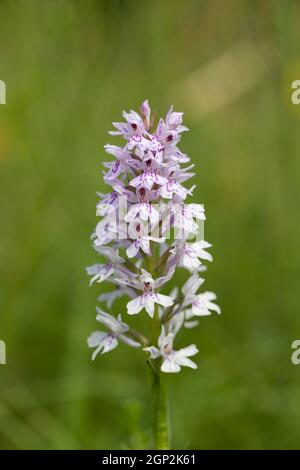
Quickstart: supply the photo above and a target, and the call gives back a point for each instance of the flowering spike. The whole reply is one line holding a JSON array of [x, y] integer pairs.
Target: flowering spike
[[147, 232]]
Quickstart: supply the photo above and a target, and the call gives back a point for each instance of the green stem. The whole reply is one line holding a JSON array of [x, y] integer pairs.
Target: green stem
[[160, 403], [160, 413]]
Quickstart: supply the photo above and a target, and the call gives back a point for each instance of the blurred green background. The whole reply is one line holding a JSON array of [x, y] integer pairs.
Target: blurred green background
[[70, 68]]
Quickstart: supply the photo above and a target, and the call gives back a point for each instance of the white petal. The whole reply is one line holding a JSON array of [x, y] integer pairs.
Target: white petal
[[174, 293], [190, 263], [165, 340], [145, 245], [95, 338], [149, 305], [129, 341], [162, 280], [192, 285], [146, 277], [133, 249], [135, 306], [214, 307], [148, 212], [97, 351], [109, 252], [197, 211], [200, 312], [153, 216], [93, 279], [169, 365], [132, 213], [157, 240], [184, 361], [162, 337], [188, 351], [109, 344], [154, 352], [205, 255], [164, 300], [209, 295], [145, 211], [111, 323], [94, 269], [199, 248], [106, 272], [104, 342], [204, 244]]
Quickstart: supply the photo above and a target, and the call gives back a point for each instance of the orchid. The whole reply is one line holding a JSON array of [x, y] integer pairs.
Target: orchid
[[147, 233], [149, 296], [172, 360], [105, 342], [201, 304], [100, 272], [188, 255]]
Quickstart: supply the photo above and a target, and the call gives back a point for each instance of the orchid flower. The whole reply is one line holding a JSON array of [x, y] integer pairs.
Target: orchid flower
[[149, 296], [100, 272], [105, 342], [172, 360]]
